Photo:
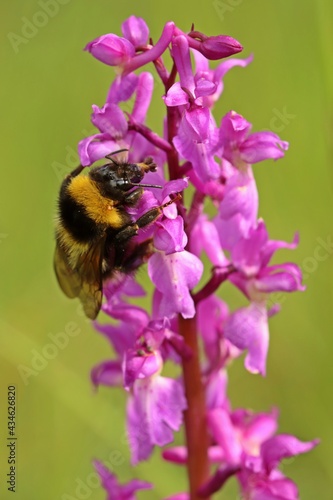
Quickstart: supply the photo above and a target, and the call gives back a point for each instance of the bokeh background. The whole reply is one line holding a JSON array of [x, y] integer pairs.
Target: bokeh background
[[47, 87]]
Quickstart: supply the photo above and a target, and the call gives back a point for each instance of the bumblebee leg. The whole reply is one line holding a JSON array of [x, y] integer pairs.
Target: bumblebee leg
[[126, 233], [121, 239], [132, 229], [149, 217], [154, 213], [76, 171], [68, 179], [138, 255], [133, 197]]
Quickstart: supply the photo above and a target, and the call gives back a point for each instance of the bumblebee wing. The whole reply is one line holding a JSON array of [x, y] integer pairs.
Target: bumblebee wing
[[90, 269], [68, 279], [82, 277]]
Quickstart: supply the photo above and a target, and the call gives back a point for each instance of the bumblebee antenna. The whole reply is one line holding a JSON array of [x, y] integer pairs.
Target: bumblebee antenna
[[146, 185], [109, 156]]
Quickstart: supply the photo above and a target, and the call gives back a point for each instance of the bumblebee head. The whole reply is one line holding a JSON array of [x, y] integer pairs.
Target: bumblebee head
[[122, 175]]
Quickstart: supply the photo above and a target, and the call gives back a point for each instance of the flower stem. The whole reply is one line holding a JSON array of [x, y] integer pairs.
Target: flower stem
[[173, 160], [151, 136], [195, 415], [219, 275], [172, 128]]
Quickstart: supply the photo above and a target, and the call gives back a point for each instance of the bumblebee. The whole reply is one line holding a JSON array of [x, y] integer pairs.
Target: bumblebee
[[94, 232]]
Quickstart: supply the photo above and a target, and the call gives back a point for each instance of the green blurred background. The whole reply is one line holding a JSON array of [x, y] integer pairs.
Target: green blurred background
[[47, 87]]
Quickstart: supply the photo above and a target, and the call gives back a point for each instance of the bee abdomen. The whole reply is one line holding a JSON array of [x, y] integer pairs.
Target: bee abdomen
[[76, 221]]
